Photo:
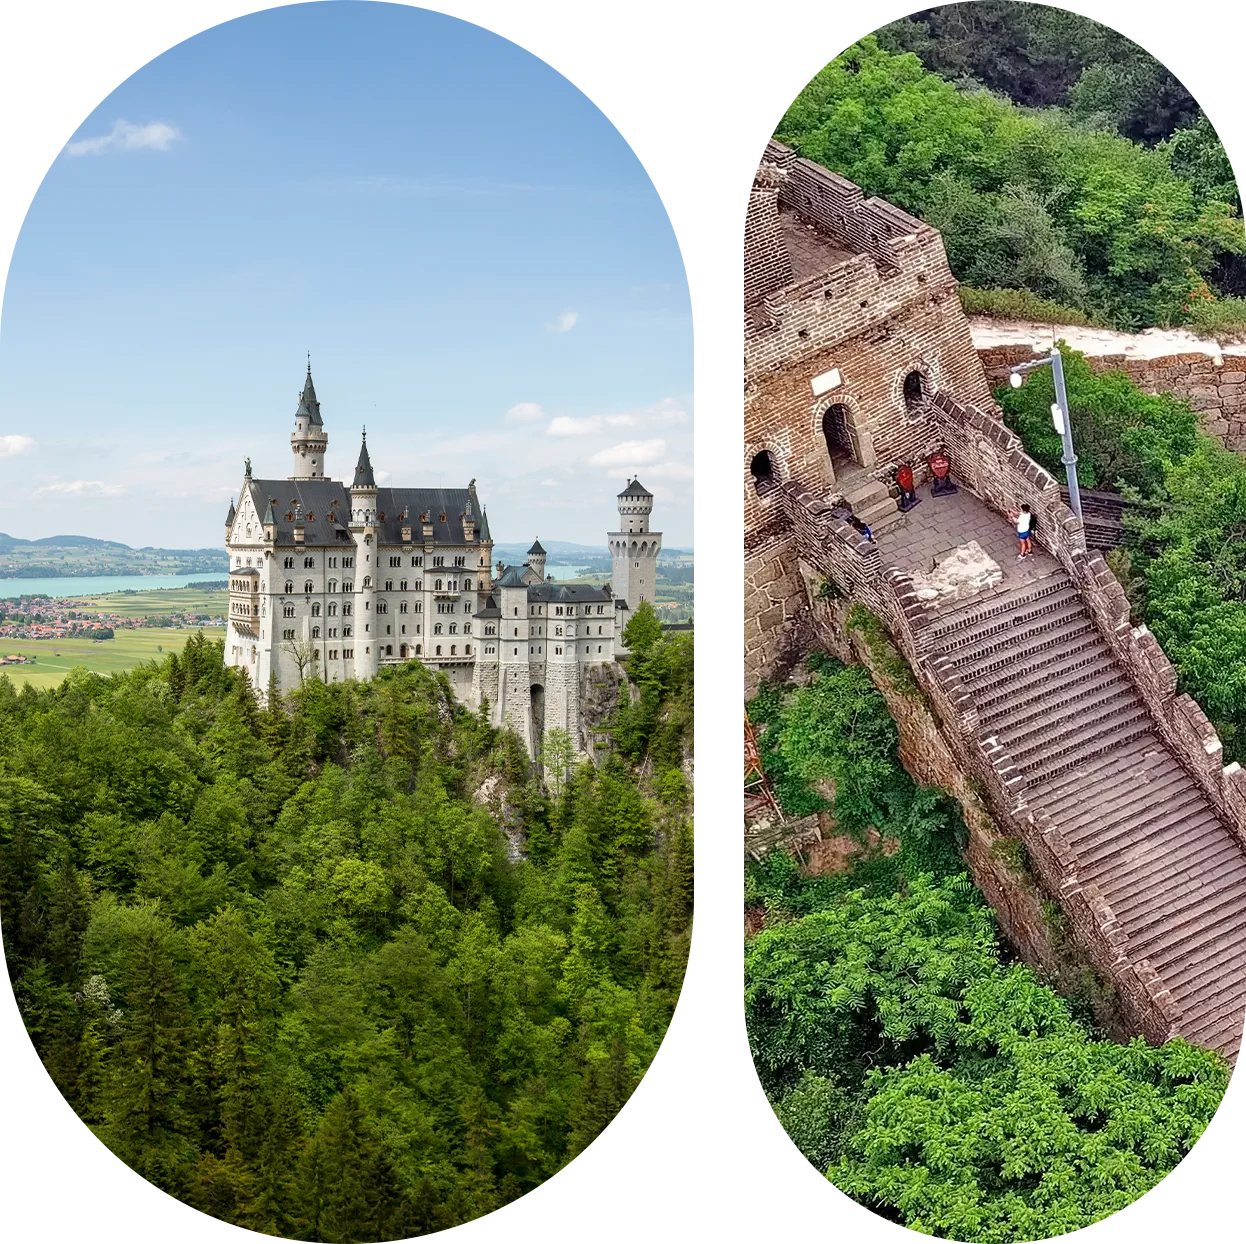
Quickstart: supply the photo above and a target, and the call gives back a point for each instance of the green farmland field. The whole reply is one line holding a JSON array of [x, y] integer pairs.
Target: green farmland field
[[162, 601], [56, 657]]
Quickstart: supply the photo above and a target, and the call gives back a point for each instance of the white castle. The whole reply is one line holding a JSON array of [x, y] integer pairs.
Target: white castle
[[334, 582]]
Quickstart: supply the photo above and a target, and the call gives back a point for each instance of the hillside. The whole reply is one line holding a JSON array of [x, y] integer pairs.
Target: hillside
[[69, 555]]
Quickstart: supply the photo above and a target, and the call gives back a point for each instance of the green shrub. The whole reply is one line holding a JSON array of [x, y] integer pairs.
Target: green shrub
[[1021, 304], [1221, 318]]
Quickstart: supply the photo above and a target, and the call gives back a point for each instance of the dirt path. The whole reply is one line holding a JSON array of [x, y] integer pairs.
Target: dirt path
[[1152, 344]]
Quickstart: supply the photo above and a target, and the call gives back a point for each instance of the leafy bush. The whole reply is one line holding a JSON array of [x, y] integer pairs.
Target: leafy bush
[[1221, 318], [949, 1091], [1123, 436], [1021, 304], [1027, 199]]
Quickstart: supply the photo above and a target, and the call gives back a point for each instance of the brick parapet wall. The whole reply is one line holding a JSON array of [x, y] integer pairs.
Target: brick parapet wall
[[1217, 391]]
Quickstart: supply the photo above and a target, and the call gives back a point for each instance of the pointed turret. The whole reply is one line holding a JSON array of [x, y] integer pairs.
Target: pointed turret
[[363, 469], [309, 439], [229, 518], [485, 537], [536, 561]]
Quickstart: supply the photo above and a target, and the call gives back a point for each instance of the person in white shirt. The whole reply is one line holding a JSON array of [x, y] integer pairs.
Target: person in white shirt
[[1024, 518]]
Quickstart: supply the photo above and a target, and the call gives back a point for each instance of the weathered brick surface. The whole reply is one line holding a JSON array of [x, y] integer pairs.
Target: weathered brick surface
[[1216, 391]]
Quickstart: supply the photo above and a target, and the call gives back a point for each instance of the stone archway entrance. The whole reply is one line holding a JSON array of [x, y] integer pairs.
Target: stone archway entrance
[[844, 443]]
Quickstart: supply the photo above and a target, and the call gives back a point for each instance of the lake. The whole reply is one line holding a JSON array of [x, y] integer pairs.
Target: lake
[[93, 585]]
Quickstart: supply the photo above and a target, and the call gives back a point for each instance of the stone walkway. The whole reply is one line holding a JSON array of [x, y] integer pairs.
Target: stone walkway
[[931, 530]]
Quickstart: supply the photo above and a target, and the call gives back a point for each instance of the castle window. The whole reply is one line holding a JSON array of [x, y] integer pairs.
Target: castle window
[[599, 630], [287, 611], [402, 606], [437, 586], [418, 649], [439, 650], [309, 563], [333, 609], [308, 586], [289, 588], [346, 632], [454, 628], [315, 632], [419, 606], [453, 585], [402, 630], [332, 563], [316, 610], [402, 585], [467, 648], [367, 580], [516, 615], [287, 634], [395, 561], [347, 585], [516, 630], [389, 650], [453, 649], [348, 653], [437, 628], [333, 632], [289, 563], [598, 647], [348, 561], [467, 628], [382, 606], [389, 585], [480, 586], [460, 561], [516, 652], [439, 561], [417, 561]]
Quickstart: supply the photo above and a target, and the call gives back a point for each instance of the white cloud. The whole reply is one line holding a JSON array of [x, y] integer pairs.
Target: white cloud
[[564, 323], [82, 488], [382, 477], [665, 414], [124, 136], [658, 470], [549, 483], [630, 453], [525, 412], [15, 443]]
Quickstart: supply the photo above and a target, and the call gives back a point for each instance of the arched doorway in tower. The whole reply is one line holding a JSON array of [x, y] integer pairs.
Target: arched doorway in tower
[[915, 392], [841, 441], [536, 694], [763, 472]]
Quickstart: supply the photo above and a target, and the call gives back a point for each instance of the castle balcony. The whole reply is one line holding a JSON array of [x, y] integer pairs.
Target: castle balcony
[[244, 597]]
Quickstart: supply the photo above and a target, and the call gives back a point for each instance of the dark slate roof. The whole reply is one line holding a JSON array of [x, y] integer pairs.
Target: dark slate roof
[[318, 498], [635, 489], [567, 594], [489, 609], [229, 518], [484, 527], [452, 502], [536, 548], [308, 405], [363, 469], [512, 576]]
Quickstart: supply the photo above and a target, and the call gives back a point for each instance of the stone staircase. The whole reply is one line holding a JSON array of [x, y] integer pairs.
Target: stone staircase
[[871, 502], [1048, 687]]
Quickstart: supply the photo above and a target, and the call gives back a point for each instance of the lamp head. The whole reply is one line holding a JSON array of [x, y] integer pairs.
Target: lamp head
[[1057, 417], [1016, 379]]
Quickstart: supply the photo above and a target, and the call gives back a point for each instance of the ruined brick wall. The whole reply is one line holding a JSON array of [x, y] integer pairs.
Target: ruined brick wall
[[1216, 391], [887, 311]]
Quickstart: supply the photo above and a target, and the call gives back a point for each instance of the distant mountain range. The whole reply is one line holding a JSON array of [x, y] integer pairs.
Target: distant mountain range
[[9, 543]]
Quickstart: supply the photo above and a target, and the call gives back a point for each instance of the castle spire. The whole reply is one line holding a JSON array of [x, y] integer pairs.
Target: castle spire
[[309, 439], [363, 469]]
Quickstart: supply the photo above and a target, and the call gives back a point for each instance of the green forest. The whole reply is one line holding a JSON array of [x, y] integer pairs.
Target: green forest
[[906, 1052], [342, 967], [1073, 178]]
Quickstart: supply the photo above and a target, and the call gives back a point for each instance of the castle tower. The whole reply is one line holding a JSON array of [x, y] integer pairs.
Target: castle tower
[[363, 526], [309, 440], [634, 548], [514, 669], [536, 562]]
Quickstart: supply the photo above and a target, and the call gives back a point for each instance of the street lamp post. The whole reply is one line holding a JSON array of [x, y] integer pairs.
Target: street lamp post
[[1059, 418]]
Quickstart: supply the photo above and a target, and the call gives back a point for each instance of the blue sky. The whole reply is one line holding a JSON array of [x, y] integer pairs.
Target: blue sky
[[479, 265]]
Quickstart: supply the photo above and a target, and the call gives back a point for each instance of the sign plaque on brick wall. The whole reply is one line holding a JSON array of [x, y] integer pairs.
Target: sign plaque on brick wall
[[827, 381]]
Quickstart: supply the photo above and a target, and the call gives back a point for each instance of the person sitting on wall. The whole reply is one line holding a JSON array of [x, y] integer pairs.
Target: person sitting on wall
[[940, 475], [907, 486], [857, 525]]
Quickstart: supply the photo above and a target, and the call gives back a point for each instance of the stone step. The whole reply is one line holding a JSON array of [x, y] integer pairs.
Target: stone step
[[1207, 961], [1188, 946], [1038, 752], [1109, 807], [863, 492], [1025, 648], [1191, 989], [1058, 661], [1160, 834], [1014, 712], [1186, 887], [1067, 755], [1217, 1027], [1008, 622], [1221, 905], [1054, 719], [1133, 765], [999, 602], [1123, 881], [1139, 896], [886, 519]]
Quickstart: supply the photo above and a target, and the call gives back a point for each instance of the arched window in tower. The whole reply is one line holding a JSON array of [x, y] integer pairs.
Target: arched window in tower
[[308, 585], [367, 580], [389, 585], [289, 565], [315, 632], [914, 391], [437, 630], [402, 606], [437, 586], [289, 588], [316, 610], [333, 609], [309, 563], [762, 471]]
